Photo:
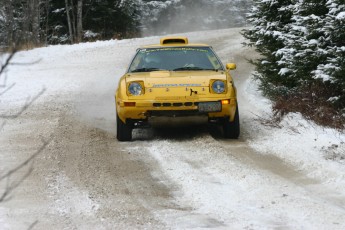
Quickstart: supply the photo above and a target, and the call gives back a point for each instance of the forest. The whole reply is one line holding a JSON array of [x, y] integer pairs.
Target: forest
[[32, 23]]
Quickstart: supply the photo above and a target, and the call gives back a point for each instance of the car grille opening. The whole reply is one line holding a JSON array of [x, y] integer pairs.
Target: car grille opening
[[173, 113], [175, 104], [166, 104]]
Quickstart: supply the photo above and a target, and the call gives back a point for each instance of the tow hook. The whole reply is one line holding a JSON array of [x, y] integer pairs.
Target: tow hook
[[192, 91]]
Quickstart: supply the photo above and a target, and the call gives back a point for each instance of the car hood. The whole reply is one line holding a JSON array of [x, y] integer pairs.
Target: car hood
[[168, 79]]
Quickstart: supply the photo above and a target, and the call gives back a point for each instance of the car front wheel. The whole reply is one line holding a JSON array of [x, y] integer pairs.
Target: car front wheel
[[124, 131], [231, 129]]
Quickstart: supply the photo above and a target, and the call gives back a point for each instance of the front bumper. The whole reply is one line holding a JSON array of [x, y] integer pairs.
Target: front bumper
[[142, 110]]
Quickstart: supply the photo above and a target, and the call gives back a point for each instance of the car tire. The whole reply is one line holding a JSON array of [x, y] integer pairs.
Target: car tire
[[231, 129], [124, 131]]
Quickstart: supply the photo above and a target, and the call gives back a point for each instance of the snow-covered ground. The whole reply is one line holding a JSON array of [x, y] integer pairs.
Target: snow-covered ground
[[287, 175]]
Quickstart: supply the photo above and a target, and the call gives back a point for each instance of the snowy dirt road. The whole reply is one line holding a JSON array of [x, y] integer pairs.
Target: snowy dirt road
[[169, 177]]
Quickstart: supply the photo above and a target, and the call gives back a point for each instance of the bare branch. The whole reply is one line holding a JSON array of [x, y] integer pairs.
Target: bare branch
[[27, 63], [27, 104], [5, 81], [2, 125], [5, 196], [272, 121], [33, 225], [23, 170], [8, 88], [12, 186], [7, 62], [45, 143]]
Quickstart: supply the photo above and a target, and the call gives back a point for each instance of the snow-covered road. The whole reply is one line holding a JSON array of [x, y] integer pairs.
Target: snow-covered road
[[170, 177]]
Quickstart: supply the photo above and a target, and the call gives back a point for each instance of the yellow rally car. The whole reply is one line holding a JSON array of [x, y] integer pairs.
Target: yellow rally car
[[176, 79]]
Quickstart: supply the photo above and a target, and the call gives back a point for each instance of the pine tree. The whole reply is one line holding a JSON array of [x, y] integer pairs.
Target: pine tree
[[57, 31], [304, 41], [333, 70], [112, 18], [303, 56], [269, 19]]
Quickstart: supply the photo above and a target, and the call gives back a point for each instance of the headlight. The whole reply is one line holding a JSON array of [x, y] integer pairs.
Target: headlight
[[135, 88], [218, 86]]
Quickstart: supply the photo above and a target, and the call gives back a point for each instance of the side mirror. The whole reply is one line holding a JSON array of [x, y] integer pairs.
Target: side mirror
[[230, 66]]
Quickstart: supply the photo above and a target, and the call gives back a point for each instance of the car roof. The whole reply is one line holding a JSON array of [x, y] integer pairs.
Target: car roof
[[175, 41], [175, 45]]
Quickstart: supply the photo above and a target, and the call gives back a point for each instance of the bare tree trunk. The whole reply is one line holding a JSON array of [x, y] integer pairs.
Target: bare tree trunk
[[47, 6], [30, 27], [79, 20], [74, 28], [36, 22], [27, 35], [9, 23], [71, 37]]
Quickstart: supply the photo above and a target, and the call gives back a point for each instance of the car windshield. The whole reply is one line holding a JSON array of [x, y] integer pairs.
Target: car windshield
[[175, 59]]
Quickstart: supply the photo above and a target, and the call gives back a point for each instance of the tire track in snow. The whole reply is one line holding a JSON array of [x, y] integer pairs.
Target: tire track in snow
[[215, 187]]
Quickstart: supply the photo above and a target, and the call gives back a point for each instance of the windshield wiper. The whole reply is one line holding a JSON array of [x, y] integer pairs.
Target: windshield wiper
[[146, 70], [193, 68]]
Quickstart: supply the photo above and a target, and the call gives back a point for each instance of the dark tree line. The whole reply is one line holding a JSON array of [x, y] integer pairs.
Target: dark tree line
[[19, 22], [30, 23]]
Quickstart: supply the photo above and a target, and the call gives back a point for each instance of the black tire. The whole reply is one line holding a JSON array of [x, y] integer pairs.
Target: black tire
[[232, 129], [124, 131]]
